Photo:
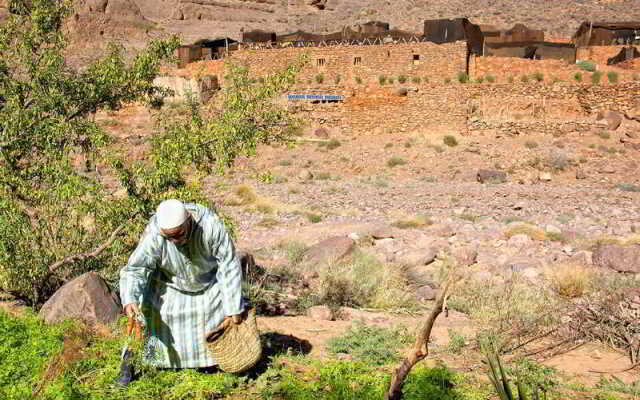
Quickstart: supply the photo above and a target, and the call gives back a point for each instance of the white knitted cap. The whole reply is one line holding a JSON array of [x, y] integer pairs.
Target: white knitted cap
[[171, 214]]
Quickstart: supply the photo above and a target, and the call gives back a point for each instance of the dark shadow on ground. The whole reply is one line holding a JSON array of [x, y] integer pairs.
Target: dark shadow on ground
[[274, 344]]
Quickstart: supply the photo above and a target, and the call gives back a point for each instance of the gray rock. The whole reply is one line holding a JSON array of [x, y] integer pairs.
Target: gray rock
[[618, 258], [491, 176], [553, 229], [86, 298], [381, 232], [332, 249], [426, 292], [417, 257]]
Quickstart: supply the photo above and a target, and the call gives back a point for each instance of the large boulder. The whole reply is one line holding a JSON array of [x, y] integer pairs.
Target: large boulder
[[87, 298], [617, 257], [328, 250], [610, 119]]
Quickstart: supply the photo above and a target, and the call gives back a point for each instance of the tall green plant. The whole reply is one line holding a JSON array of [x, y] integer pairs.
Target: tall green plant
[[57, 216]]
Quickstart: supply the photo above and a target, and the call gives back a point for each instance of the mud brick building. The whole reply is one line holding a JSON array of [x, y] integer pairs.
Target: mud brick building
[[366, 63]]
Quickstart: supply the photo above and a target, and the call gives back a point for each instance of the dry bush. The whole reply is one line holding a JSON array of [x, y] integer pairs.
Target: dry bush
[[417, 221], [570, 280], [532, 231], [363, 281]]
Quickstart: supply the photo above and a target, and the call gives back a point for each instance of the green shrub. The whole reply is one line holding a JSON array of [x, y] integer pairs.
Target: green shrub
[[491, 78], [627, 187], [479, 79], [447, 80], [603, 134], [425, 79], [337, 79], [587, 65], [463, 77], [382, 80], [577, 77], [333, 144], [612, 76], [314, 218], [530, 144], [358, 80], [538, 76], [596, 77], [450, 141], [402, 78], [390, 80], [510, 79], [371, 344], [524, 79], [456, 341], [319, 78], [415, 79], [395, 161]]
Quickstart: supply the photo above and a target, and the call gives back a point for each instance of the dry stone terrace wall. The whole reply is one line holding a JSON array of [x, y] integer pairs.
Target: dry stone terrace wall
[[436, 61], [474, 109]]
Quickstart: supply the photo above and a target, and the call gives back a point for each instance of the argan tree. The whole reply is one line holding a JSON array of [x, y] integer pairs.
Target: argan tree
[[58, 220]]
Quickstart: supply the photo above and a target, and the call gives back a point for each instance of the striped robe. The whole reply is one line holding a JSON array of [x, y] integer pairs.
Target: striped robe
[[184, 290]]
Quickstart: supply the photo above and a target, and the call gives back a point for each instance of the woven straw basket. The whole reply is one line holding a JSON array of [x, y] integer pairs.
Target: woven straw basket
[[238, 348]]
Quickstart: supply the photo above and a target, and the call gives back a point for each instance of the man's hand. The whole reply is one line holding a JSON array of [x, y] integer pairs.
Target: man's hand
[[237, 319], [131, 310], [133, 323]]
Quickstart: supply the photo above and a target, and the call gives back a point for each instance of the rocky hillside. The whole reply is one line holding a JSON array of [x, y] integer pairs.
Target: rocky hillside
[[134, 21]]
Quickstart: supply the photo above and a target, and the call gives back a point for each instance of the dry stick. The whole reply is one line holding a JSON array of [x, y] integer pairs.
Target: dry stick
[[417, 354], [83, 256]]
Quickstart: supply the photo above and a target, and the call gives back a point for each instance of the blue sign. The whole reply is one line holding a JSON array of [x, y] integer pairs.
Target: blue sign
[[325, 97]]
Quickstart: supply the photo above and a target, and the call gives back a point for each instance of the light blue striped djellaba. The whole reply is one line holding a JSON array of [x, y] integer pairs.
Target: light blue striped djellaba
[[185, 291]]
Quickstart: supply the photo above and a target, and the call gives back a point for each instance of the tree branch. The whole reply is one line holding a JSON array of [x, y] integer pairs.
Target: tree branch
[[83, 256], [422, 342]]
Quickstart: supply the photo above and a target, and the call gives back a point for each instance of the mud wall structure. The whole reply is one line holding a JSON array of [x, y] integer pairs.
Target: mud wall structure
[[599, 54], [368, 63]]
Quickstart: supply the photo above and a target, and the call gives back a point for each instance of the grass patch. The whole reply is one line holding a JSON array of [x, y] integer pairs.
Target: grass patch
[[613, 76], [322, 176], [382, 80], [577, 76], [529, 144], [538, 76], [395, 161], [319, 78], [371, 344], [314, 218], [418, 221], [627, 187], [456, 343], [596, 77], [402, 78], [603, 135], [569, 280], [268, 222], [587, 65], [450, 141], [532, 231], [491, 78], [462, 77], [331, 144]]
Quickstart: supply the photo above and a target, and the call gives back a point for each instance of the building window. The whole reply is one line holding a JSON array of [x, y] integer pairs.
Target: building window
[[388, 53], [416, 57], [320, 62], [357, 60]]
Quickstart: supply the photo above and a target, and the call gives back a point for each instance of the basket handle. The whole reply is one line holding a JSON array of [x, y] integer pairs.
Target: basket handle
[[217, 333]]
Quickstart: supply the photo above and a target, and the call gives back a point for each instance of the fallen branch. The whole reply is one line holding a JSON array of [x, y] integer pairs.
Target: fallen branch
[[83, 256], [420, 348]]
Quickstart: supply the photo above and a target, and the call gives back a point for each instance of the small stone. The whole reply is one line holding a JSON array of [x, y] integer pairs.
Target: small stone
[[567, 250], [545, 177], [426, 293], [491, 176], [305, 175], [580, 174], [519, 205]]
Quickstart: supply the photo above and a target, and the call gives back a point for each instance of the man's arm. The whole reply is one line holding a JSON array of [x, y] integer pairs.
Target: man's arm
[[229, 274]]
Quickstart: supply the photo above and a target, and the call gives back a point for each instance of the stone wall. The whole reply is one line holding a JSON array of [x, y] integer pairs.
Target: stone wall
[[504, 67], [473, 109], [424, 59]]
